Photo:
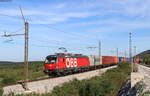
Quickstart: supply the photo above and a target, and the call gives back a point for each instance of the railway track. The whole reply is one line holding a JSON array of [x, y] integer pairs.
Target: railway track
[[20, 82]]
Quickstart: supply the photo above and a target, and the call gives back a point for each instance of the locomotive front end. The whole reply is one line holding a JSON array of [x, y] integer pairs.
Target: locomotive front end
[[50, 64]]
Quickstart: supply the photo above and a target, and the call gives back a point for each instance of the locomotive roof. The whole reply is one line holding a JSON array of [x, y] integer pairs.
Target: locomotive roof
[[67, 55]]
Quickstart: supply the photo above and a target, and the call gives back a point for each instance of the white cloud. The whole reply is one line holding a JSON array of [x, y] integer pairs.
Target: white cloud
[[87, 8], [131, 8], [59, 17], [80, 14]]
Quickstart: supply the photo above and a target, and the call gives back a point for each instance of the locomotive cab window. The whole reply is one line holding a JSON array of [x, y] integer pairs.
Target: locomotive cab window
[[51, 60]]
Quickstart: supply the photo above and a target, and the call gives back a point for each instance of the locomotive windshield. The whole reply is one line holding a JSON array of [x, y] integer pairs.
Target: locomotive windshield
[[51, 60]]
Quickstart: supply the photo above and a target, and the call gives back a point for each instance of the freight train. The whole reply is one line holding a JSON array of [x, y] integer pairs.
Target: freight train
[[63, 64]]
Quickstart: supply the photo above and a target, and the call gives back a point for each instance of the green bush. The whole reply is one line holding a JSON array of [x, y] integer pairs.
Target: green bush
[[95, 88], [68, 89], [8, 80], [1, 91], [106, 85]]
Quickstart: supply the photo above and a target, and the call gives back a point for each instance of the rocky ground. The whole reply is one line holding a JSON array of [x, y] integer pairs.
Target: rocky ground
[[128, 90], [146, 72]]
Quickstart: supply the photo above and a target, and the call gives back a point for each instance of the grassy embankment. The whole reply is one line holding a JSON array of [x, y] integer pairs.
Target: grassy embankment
[[106, 85], [11, 72]]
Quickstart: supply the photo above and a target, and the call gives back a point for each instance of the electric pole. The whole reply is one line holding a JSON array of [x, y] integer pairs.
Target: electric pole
[[26, 53], [117, 52], [100, 52], [135, 51], [26, 38], [134, 54], [125, 54], [130, 50], [91, 47]]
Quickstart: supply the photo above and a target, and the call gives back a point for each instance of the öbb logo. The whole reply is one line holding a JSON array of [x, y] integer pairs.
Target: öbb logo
[[71, 62]]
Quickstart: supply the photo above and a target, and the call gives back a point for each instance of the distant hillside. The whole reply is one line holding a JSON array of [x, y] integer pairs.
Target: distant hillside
[[145, 56], [18, 64], [8, 62], [5, 62], [147, 52]]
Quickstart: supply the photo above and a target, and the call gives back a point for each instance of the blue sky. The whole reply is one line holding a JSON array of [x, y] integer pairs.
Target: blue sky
[[75, 25]]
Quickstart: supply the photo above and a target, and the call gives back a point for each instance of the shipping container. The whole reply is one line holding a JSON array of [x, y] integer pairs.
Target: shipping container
[[124, 59], [116, 59], [120, 59], [95, 60], [109, 60], [128, 60]]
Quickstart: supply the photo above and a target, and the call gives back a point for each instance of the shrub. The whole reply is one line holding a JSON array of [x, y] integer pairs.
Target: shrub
[[1, 91], [8, 80], [106, 85], [68, 89], [95, 87]]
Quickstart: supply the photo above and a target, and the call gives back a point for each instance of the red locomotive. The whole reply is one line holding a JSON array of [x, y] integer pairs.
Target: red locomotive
[[62, 64]]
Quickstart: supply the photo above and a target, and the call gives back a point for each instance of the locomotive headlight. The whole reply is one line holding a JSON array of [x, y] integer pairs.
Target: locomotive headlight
[[50, 65]]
